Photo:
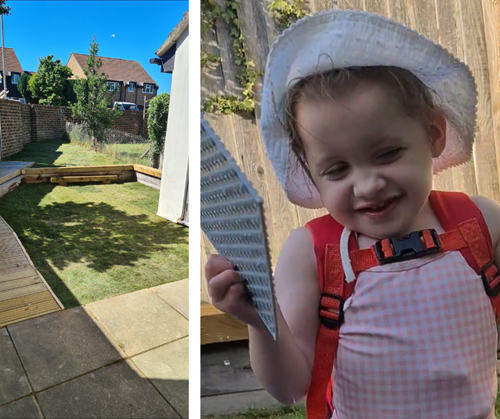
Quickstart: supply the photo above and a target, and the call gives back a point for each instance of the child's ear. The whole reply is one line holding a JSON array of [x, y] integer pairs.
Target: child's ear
[[437, 131]]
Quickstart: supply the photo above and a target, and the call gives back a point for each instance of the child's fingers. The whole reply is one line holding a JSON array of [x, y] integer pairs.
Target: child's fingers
[[215, 265], [219, 284]]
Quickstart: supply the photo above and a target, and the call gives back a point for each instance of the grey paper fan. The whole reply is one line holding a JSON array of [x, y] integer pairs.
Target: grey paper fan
[[232, 218]]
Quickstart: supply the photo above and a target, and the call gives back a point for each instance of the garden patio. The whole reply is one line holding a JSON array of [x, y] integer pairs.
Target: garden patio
[[120, 346]]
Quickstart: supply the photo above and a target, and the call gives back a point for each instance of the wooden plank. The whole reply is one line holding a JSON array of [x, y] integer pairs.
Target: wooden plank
[[147, 170], [19, 283], [11, 185], [225, 368], [11, 252], [376, 6], [10, 176], [14, 261], [13, 269], [30, 273], [19, 292], [217, 326], [24, 313], [462, 178], [77, 179], [77, 169], [25, 300], [491, 16], [475, 51], [230, 404], [398, 11]]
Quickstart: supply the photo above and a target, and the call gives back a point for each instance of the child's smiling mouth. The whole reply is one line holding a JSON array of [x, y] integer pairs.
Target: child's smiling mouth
[[379, 209]]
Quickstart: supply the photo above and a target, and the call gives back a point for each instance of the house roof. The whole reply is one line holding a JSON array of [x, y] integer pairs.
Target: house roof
[[119, 70], [12, 64], [174, 36]]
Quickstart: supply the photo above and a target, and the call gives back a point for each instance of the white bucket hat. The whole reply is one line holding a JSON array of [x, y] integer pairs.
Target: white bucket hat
[[347, 38]]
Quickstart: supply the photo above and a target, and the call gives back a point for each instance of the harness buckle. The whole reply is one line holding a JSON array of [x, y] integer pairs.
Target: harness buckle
[[491, 282], [407, 247], [331, 310]]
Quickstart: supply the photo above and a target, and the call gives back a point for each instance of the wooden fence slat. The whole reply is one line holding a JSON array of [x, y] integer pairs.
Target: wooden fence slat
[[491, 16], [485, 159]]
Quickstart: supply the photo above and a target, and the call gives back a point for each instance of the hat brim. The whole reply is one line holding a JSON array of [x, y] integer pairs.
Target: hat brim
[[347, 38]]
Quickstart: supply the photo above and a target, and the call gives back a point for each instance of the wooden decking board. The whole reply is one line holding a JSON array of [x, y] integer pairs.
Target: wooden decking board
[[30, 273], [13, 261], [25, 300], [14, 269], [19, 292], [24, 294], [19, 283], [12, 169], [24, 313], [10, 253]]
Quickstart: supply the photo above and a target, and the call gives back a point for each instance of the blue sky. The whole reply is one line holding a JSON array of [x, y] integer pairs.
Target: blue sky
[[36, 29]]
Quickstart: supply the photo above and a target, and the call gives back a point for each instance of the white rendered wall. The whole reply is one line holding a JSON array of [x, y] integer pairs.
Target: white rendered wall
[[176, 151]]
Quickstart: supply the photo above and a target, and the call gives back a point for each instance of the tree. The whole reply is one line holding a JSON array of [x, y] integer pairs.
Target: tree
[[4, 10], [69, 91], [22, 86], [93, 98], [157, 125], [49, 82]]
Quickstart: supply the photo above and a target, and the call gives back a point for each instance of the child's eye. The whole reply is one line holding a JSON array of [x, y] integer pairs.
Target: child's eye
[[335, 173], [389, 155]]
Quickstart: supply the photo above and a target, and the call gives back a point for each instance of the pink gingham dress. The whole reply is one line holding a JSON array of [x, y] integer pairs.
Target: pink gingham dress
[[419, 340]]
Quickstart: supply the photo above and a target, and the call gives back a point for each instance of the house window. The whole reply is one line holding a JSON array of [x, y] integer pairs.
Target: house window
[[131, 87], [148, 88], [15, 78], [112, 86]]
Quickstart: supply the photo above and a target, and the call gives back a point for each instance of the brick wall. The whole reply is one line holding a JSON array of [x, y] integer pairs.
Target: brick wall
[[131, 122], [50, 121], [11, 118], [22, 124]]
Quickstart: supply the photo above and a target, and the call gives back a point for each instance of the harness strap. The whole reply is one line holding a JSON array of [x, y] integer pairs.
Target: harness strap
[[466, 231]]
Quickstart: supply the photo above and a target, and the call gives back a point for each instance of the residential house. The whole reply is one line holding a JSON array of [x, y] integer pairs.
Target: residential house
[[14, 70], [133, 83], [174, 58]]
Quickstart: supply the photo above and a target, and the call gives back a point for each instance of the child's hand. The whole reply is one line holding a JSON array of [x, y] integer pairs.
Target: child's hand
[[227, 290]]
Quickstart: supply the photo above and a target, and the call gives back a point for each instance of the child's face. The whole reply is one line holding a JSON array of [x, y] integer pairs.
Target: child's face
[[371, 162]]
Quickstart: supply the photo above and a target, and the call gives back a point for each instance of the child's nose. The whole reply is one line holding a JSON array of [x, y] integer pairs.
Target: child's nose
[[368, 184]]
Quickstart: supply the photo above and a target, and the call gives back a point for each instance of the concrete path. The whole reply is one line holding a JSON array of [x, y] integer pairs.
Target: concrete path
[[124, 357]]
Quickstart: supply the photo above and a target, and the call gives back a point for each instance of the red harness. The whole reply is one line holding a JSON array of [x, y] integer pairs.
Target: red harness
[[465, 231]]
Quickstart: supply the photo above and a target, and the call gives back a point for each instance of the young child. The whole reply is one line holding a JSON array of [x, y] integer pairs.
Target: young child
[[358, 112]]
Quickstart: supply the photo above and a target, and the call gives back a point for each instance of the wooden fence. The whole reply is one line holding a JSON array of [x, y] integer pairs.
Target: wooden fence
[[467, 28]]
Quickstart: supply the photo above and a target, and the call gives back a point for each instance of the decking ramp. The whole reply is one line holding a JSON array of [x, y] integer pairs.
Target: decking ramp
[[23, 291]]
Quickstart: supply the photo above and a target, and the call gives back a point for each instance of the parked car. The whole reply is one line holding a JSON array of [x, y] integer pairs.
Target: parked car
[[125, 106]]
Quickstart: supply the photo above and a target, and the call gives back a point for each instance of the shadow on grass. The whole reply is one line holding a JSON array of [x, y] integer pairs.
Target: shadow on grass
[[44, 153], [97, 236]]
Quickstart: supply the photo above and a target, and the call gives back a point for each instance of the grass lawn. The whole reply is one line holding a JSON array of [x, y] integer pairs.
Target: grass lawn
[[91, 242], [282, 413], [59, 153], [293, 413], [128, 153]]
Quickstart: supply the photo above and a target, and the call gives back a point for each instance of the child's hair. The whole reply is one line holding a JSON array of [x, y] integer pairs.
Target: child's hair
[[414, 96]]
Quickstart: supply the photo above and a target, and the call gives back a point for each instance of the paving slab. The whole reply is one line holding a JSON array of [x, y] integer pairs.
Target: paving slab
[[13, 382], [60, 346], [116, 391], [176, 294], [167, 367], [25, 408], [139, 321]]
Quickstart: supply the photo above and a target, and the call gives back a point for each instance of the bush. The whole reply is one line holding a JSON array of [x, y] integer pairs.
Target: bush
[[157, 125]]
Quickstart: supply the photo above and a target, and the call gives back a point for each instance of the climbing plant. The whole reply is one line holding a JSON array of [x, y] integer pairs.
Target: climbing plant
[[228, 104], [287, 12]]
